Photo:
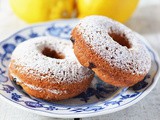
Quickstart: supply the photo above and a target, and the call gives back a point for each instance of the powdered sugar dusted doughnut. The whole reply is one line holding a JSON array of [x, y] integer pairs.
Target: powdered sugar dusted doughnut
[[113, 51], [47, 68]]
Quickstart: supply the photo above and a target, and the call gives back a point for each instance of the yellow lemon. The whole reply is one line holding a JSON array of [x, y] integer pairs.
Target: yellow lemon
[[119, 10], [42, 10]]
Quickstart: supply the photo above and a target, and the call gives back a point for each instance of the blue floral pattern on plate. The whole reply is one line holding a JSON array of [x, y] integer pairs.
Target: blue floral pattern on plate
[[99, 98]]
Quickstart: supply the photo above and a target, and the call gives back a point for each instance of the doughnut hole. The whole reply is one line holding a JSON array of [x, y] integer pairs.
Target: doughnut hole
[[120, 38], [52, 53]]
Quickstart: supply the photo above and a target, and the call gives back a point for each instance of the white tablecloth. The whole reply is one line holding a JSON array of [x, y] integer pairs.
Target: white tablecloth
[[146, 21]]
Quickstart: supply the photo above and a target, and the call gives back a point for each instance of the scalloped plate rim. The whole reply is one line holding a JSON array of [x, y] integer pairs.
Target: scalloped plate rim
[[43, 113]]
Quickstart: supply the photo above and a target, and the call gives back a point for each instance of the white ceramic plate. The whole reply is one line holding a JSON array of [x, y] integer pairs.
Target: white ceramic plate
[[99, 99]]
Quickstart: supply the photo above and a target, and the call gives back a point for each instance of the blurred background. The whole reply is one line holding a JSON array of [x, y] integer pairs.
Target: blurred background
[[142, 16], [139, 15]]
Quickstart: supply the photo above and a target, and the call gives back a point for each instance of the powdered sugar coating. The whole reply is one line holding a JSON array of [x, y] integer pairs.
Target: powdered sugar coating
[[95, 29], [29, 55]]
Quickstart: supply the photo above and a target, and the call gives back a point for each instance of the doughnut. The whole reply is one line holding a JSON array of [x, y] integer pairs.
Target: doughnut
[[46, 68], [113, 51]]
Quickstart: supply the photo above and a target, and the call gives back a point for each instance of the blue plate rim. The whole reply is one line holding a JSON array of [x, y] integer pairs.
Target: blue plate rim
[[149, 88]]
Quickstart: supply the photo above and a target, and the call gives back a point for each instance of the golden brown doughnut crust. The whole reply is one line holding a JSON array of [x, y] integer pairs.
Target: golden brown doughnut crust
[[47, 68], [88, 58], [72, 89]]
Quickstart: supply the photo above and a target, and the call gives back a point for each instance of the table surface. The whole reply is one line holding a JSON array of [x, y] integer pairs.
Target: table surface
[[146, 21]]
